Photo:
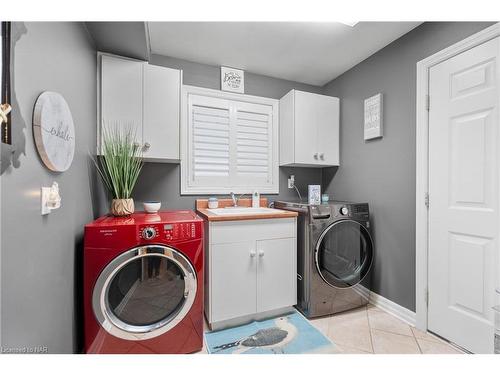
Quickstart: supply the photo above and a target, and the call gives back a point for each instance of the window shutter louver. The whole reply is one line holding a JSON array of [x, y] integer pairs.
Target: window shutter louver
[[210, 141], [252, 144]]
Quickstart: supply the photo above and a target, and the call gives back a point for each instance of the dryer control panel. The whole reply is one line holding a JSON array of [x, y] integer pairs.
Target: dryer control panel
[[171, 232]]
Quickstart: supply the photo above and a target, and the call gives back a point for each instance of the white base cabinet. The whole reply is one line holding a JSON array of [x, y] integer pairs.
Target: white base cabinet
[[250, 273]]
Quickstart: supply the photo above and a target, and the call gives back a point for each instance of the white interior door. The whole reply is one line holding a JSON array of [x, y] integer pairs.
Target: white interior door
[[464, 196]]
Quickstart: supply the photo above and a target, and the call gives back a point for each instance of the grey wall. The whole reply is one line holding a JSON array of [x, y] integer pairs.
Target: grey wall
[[121, 38], [162, 181], [382, 172], [40, 255]]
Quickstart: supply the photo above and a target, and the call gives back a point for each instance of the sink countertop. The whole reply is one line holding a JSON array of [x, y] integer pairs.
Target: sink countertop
[[203, 210]]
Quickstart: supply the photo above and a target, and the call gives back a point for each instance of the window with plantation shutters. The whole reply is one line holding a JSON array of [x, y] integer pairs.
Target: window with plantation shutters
[[229, 143]]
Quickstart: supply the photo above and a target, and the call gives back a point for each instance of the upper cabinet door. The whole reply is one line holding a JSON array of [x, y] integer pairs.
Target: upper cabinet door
[[161, 112], [307, 122], [327, 109], [121, 94]]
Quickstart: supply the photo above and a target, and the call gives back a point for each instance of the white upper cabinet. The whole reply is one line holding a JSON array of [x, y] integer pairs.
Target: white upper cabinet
[[145, 99], [309, 130]]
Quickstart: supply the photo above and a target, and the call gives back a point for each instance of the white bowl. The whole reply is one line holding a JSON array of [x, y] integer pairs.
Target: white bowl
[[152, 207]]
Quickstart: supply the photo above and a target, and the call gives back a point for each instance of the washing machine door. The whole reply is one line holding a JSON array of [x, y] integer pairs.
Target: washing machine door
[[344, 253], [144, 292]]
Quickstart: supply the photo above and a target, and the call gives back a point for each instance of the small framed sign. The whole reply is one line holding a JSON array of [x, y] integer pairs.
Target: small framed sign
[[232, 80], [373, 117]]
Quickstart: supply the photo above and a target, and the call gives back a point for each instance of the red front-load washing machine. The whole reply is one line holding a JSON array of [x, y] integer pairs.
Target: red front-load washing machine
[[143, 283]]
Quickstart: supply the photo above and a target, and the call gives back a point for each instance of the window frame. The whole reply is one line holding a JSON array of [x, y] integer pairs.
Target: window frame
[[186, 154]]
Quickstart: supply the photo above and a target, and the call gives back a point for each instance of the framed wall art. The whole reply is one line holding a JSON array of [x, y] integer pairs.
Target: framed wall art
[[232, 79], [54, 131]]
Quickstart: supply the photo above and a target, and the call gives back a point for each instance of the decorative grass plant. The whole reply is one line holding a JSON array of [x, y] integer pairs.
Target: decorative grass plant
[[119, 166]]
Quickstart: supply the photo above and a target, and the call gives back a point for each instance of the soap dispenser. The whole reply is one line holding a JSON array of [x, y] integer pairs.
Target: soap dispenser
[[255, 199]]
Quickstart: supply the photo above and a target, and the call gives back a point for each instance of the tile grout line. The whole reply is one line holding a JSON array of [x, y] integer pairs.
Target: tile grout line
[[369, 329], [353, 347], [415, 338], [393, 333], [434, 340], [399, 334]]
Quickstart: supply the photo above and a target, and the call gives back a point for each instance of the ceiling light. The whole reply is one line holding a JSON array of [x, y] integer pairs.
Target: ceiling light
[[349, 23]]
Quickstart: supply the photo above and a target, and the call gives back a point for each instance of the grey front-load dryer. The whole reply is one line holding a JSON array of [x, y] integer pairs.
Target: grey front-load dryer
[[334, 256]]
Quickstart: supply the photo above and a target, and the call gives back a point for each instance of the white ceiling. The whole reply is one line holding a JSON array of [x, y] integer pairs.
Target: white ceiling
[[307, 52]]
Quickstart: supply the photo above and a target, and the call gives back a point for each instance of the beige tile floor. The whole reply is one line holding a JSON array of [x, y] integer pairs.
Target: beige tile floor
[[369, 330]]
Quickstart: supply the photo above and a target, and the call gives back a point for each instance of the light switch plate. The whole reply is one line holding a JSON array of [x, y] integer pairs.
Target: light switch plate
[[373, 117]]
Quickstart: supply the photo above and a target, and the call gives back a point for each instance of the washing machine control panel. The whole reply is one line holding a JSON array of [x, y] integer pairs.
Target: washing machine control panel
[[172, 232], [148, 233]]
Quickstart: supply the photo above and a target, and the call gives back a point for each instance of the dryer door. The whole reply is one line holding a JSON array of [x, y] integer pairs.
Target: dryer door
[[344, 253], [144, 292]]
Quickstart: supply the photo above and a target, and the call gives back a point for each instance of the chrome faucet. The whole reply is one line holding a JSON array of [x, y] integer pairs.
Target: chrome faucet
[[235, 200]]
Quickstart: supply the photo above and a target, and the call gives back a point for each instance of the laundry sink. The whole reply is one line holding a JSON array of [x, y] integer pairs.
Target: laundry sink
[[228, 211]]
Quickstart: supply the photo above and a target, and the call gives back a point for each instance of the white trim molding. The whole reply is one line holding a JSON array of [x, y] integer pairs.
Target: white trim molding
[[393, 308], [422, 161], [390, 307]]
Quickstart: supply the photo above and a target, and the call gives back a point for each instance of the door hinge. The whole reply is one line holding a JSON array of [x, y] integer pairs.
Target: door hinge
[[426, 198], [427, 102], [426, 297]]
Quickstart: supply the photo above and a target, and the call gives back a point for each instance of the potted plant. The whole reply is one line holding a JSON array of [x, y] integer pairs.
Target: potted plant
[[119, 166]]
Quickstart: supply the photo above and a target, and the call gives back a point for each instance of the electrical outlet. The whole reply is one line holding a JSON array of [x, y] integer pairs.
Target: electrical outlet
[[291, 181]]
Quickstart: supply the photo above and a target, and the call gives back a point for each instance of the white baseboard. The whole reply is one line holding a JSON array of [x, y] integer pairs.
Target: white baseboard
[[393, 308], [388, 306]]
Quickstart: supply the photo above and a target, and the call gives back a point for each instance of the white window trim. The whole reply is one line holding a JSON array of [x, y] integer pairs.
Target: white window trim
[[185, 158]]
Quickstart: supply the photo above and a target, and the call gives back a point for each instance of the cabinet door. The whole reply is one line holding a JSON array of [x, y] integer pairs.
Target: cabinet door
[[233, 275], [121, 94], [161, 112], [276, 273], [328, 129], [306, 128]]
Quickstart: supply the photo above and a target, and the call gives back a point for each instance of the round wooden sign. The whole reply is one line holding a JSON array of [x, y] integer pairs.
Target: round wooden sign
[[54, 131]]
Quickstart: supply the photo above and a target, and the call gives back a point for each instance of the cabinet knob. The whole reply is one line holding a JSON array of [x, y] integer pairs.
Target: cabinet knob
[[261, 253], [147, 145], [252, 253], [322, 156], [316, 156], [136, 144]]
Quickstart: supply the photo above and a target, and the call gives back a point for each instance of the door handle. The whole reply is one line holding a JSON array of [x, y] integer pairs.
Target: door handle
[[252, 253], [261, 253]]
